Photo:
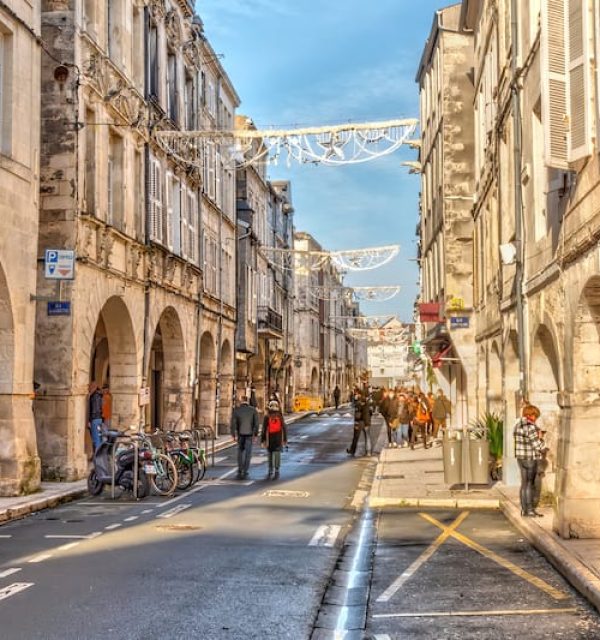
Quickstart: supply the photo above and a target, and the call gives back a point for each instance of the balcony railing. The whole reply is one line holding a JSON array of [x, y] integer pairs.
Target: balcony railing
[[269, 321]]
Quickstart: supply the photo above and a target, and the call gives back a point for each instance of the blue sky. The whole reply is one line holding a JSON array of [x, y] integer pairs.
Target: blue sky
[[312, 62]]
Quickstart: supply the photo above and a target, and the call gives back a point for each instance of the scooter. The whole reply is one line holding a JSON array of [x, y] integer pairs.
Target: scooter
[[101, 475]]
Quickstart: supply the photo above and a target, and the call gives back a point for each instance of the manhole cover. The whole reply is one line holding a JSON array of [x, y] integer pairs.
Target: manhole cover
[[178, 527], [280, 493]]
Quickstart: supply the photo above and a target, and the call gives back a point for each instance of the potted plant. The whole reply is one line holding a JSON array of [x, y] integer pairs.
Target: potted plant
[[491, 426]]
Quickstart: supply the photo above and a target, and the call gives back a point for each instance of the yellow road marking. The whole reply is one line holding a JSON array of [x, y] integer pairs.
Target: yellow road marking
[[507, 564], [422, 559]]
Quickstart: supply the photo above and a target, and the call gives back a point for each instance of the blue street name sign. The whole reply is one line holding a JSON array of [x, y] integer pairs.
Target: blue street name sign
[[59, 308], [459, 322]]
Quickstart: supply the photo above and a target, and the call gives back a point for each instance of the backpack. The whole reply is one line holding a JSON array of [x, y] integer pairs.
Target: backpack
[[274, 424]]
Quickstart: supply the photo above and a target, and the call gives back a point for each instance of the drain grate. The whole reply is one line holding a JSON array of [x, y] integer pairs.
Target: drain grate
[[280, 493], [178, 527]]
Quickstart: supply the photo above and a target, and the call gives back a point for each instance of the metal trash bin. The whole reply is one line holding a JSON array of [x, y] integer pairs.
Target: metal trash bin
[[479, 465], [452, 456]]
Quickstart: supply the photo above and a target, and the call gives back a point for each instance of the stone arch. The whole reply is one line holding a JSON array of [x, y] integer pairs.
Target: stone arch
[[258, 373], [7, 339], [207, 370], [113, 354], [494, 379], [544, 376], [578, 473], [167, 375], [314, 382], [226, 385]]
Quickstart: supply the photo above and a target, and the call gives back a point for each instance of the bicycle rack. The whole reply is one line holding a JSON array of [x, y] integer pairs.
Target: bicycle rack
[[207, 433]]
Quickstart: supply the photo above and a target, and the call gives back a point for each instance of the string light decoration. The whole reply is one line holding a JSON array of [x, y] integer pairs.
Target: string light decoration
[[367, 322], [369, 294], [375, 294], [347, 260], [344, 144]]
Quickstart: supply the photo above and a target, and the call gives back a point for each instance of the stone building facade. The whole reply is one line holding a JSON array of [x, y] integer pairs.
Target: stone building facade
[[143, 319], [20, 59], [446, 223], [536, 267], [325, 354]]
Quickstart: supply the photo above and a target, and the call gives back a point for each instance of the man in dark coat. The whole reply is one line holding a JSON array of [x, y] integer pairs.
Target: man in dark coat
[[336, 396], [244, 429], [362, 424], [274, 438], [95, 414]]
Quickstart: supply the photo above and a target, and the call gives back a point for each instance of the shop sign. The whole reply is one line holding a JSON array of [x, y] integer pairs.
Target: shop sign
[[59, 264], [59, 308], [430, 312], [144, 396], [459, 322], [455, 304]]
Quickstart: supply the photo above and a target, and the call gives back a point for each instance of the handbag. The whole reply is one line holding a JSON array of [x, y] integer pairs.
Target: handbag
[[395, 423]]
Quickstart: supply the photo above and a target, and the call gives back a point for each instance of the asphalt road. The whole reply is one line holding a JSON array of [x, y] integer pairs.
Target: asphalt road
[[292, 558], [482, 580], [227, 560]]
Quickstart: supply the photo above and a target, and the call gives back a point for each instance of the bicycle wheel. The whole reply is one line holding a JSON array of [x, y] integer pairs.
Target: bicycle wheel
[[185, 473], [164, 482]]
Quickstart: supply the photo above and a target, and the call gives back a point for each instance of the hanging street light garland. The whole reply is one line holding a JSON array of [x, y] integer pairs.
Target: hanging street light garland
[[304, 261], [349, 143], [370, 294]]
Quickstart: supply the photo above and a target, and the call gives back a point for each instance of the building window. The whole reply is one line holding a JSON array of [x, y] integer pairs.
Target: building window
[[89, 17], [153, 61], [137, 44], [115, 208], [138, 194], [155, 204], [172, 109], [176, 215], [5, 93], [89, 205], [114, 32], [190, 103]]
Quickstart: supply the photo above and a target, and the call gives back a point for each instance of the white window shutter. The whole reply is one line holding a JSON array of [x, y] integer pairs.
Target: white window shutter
[[579, 72], [152, 198], [168, 211], [185, 231], [554, 82]]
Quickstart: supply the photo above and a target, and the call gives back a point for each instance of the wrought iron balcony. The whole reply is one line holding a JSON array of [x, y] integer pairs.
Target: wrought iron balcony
[[270, 323]]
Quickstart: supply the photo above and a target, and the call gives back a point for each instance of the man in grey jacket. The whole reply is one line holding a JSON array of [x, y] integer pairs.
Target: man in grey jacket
[[244, 429]]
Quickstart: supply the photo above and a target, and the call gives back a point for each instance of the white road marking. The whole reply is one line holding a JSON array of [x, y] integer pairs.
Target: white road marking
[[382, 636], [5, 536], [110, 527], [282, 493], [194, 490], [146, 511], [303, 437], [12, 589], [220, 459], [175, 510], [66, 537], [460, 614], [66, 547], [40, 558], [131, 519], [9, 572], [325, 536]]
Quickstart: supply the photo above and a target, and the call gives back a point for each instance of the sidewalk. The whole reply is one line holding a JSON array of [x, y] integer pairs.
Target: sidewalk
[[52, 494], [415, 478]]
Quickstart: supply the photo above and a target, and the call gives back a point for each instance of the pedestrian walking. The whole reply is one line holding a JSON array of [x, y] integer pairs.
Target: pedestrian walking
[[404, 418], [529, 450], [106, 406], [95, 414], [440, 411], [244, 430], [336, 396], [253, 401], [362, 424], [274, 438], [420, 421]]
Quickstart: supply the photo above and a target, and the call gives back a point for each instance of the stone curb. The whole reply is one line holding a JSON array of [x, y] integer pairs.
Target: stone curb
[[572, 569], [429, 503]]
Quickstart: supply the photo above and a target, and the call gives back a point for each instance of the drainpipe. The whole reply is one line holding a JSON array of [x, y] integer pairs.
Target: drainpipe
[[510, 467]]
